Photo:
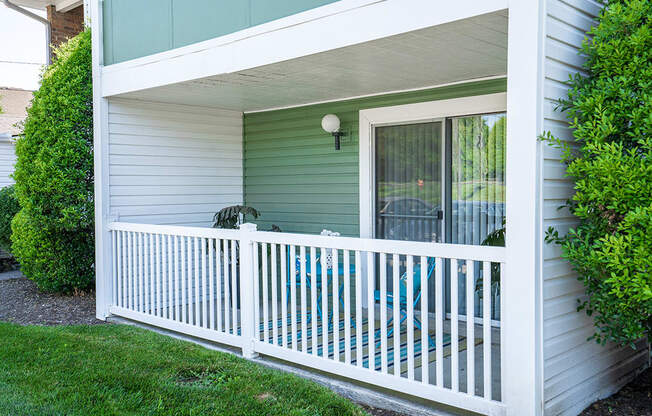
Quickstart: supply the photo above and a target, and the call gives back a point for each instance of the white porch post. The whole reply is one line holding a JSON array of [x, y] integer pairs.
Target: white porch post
[[103, 270], [247, 288], [521, 345]]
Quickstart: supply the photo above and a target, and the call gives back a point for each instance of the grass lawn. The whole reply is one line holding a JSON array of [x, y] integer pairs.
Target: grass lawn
[[118, 370]]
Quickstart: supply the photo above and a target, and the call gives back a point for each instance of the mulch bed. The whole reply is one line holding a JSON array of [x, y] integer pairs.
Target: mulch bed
[[22, 303], [635, 399]]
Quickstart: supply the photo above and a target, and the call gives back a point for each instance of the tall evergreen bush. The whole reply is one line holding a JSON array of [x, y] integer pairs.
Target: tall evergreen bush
[[611, 161], [52, 235], [8, 209]]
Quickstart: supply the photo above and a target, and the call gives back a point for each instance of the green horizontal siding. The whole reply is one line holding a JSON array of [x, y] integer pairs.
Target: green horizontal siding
[[295, 177], [137, 28]]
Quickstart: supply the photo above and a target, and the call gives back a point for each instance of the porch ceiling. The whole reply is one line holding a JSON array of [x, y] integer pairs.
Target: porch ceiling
[[462, 50]]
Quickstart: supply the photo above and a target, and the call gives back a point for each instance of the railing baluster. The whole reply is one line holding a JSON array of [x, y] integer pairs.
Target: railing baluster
[[197, 300], [184, 276], [159, 274], [165, 242], [218, 282], [293, 294], [141, 272], [273, 266], [131, 271], [425, 339], [170, 264], [152, 287], [324, 303], [256, 281], [470, 327], [382, 264], [439, 322], [177, 282], [162, 264], [234, 286], [263, 247], [204, 276], [371, 305], [303, 316], [227, 287], [114, 279], [121, 254], [284, 295], [137, 272], [347, 306], [163, 277], [486, 328], [211, 282], [191, 273], [455, 349], [396, 319], [409, 282], [146, 250], [336, 304], [147, 272], [358, 310], [313, 299]]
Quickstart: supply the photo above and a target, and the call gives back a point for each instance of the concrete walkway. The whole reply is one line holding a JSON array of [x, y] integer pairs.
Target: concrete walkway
[[16, 274]]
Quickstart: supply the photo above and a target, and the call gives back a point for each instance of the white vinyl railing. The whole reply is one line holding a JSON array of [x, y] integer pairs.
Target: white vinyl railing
[[329, 303]]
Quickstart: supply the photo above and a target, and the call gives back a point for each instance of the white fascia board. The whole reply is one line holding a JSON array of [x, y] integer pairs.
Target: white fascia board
[[63, 6], [337, 25]]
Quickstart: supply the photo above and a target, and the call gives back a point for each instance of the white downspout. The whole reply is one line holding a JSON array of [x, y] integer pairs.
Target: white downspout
[[38, 18]]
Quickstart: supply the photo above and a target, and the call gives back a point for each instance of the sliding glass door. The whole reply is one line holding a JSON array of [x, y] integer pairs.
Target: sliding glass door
[[419, 182], [408, 185], [443, 181]]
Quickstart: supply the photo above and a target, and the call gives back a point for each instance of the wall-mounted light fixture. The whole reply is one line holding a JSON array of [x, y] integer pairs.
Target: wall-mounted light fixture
[[331, 124]]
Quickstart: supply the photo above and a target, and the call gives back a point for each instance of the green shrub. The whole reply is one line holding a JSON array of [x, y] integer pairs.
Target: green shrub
[[8, 209], [611, 112], [53, 233]]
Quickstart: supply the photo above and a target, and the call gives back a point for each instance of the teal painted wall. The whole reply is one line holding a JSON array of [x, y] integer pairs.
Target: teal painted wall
[[136, 28], [297, 179]]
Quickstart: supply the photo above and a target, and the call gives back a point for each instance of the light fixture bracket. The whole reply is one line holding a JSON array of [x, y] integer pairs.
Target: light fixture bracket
[[338, 135]]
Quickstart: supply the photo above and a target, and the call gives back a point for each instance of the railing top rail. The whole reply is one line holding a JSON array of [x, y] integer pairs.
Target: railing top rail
[[415, 248], [204, 232]]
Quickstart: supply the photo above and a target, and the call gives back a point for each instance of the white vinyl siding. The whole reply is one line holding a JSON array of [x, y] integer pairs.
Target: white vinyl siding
[[172, 164], [7, 161], [576, 371]]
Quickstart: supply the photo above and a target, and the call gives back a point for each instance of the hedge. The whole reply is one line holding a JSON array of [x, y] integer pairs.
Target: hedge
[[52, 235], [611, 112]]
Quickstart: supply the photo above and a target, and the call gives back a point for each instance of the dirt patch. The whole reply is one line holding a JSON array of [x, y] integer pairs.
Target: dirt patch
[[22, 303], [379, 412], [203, 377], [635, 399], [265, 397]]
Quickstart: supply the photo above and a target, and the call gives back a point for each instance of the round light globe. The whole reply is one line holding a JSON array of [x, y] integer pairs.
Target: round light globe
[[330, 123]]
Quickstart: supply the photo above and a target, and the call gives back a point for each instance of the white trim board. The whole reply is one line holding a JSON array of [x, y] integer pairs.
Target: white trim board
[[409, 113], [380, 94]]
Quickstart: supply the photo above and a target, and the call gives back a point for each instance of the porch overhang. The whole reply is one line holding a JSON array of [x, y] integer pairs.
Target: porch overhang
[[348, 54]]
